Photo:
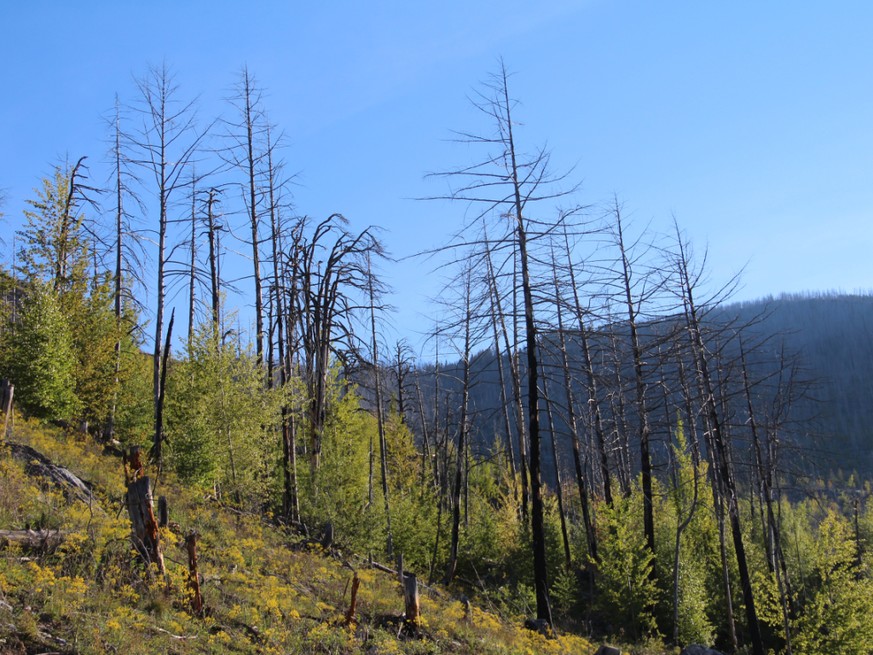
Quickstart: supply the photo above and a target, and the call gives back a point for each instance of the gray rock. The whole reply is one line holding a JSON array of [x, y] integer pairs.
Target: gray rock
[[607, 650], [697, 649]]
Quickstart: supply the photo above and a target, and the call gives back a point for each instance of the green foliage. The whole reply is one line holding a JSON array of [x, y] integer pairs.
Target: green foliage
[[134, 414], [266, 590], [687, 496], [413, 505], [627, 592], [54, 259], [836, 618], [94, 337], [341, 496], [218, 415], [54, 243], [41, 359]]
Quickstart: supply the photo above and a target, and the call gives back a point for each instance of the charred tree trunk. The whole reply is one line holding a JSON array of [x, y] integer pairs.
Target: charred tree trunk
[[462, 434]]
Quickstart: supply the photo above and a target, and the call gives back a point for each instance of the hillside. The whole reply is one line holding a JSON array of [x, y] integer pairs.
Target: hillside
[[823, 340], [265, 589], [831, 338]]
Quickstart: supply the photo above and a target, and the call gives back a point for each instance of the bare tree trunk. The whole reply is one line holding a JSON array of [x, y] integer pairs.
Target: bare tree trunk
[[581, 484], [640, 387], [515, 377], [119, 263], [595, 416], [165, 154], [193, 576], [383, 446], [156, 454], [8, 394], [462, 432], [721, 456], [504, 400], [559, 488], [192, 273], [146, 538]]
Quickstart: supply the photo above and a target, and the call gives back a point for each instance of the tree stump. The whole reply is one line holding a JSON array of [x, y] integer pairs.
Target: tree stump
[[353, 602], [8, 391], [410, 598], [194, 579], [145, 534], [163, 512]]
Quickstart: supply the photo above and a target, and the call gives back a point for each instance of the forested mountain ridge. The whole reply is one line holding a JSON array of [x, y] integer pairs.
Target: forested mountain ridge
[[831, 337], [825, 339]]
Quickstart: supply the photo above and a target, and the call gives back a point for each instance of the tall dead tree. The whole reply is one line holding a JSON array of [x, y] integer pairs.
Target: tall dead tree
[[627, 282], [581, 482], [127, 264], [332, 272], [498, 318], [720, 449], [246, 154], [595, 417], [164, 146], [380, 418], [504, 186], [463, 424]]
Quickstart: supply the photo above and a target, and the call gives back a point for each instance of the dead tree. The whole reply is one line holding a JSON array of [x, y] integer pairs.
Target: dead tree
[[498, 320], [246, 154], [164, 147], [559, 487], [193, 575], [505, 186], [595, 417], [380, 419], [463, 424], [127, 263], [332, 270], [626, 281], [581, 482], [722, 464]]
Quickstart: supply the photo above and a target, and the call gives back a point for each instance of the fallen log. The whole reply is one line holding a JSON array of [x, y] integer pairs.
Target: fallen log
[[38, 465], [41, 540]]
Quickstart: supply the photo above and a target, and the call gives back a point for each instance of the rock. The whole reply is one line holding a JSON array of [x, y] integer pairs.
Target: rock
[[697, 649], [607, 650], [538, 625]]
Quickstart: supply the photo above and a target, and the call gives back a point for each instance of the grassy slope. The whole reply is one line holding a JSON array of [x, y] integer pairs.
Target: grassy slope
[[266, 591]]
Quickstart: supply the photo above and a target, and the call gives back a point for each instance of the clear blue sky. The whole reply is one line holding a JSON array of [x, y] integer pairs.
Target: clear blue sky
[[750, 121]]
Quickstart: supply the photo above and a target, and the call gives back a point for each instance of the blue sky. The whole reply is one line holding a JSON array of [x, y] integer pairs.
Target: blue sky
[[748, 121]]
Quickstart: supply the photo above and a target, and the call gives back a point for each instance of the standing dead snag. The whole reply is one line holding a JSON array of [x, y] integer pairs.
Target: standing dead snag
[[139, 500], [194, 580], [410, 599], [353, 601], [8, 393]]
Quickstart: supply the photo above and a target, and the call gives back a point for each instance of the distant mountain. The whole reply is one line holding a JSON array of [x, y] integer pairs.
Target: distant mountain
[[831, 337], [809, 361]]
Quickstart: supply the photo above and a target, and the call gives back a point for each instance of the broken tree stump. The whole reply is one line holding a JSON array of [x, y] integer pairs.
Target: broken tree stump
[[410, 598], [350, 615], [144, 527], [194, 579], [163, 512], [8, 391]]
